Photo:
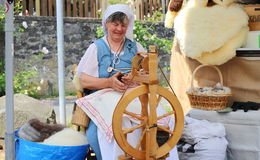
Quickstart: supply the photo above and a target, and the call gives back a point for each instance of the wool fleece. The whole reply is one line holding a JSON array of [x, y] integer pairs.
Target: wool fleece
[[202, 31], [226, 52]]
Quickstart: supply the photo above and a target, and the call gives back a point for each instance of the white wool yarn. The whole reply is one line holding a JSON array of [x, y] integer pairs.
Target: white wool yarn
[[217, 89], [67, 137]]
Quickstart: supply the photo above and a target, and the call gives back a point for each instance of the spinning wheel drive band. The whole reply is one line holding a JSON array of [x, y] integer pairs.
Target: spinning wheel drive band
[[148, 122]]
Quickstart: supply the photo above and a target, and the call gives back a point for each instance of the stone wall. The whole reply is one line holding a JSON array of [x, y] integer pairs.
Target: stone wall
[[35, 46]]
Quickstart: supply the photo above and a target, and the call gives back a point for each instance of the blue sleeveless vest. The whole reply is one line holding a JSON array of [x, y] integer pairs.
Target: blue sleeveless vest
[[105, 57]]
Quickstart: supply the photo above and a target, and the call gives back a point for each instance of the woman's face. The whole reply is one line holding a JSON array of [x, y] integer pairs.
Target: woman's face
[[117, 30]]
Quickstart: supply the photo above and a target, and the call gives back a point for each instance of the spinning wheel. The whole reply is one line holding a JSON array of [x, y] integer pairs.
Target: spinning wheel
[[144, 70]]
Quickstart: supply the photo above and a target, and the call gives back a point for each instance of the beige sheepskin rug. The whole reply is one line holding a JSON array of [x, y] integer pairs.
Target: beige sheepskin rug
[[209, 34], [226, 52]]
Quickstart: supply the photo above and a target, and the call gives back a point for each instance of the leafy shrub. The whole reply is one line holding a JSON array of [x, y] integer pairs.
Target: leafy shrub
[[2, 79], [17, 10], [2, 18], [23, 81]]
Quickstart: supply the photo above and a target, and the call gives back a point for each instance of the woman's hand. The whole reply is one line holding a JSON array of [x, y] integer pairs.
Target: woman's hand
[[126, 79], [116, 84]]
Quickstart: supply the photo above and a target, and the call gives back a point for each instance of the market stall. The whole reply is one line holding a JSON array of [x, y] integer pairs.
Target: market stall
[[204, 35]]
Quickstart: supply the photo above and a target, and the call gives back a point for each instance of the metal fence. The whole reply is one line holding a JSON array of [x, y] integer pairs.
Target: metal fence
[[89, 8]]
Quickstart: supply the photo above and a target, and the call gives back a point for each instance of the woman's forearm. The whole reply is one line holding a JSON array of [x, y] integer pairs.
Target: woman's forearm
[[93, 83]]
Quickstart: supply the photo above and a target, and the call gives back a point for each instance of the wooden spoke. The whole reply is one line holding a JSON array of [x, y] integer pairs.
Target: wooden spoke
[[166, 129], [132, 129], [158, 100], [134, 115], [140, 140], [165, 115]]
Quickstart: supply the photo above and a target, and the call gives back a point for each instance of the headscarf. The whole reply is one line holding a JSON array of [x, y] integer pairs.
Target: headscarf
[[120, 8]]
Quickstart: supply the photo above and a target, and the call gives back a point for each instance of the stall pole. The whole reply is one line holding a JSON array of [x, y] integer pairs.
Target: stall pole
[[9, 56], [60, 41]]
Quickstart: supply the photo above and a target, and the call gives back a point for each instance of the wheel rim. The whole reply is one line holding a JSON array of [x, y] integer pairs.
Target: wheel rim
[[120, 111]]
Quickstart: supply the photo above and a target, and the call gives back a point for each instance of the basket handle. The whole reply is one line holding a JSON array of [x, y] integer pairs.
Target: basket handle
[[206, 65]]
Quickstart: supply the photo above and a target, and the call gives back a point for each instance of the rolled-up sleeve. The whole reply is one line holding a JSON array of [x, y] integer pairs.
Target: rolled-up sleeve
[[89, 63]]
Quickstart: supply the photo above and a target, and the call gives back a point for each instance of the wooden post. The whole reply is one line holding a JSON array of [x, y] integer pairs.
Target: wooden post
[[50, 11], [146, 8], [68, 8], [141, 11], [43, 8], [150, 7], [103, 5], [24, 7], [86, 5], [80, 8], [30, 7], [75, 8], [137, 10], [38, 7]]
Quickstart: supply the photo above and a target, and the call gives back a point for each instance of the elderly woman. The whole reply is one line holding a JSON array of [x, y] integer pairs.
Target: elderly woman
[[99, 69]]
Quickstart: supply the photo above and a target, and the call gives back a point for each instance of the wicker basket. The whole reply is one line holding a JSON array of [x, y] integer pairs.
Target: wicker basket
[[207, 101]]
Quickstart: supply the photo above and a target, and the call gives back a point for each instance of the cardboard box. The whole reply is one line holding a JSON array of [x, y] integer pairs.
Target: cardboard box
[[253, 12]]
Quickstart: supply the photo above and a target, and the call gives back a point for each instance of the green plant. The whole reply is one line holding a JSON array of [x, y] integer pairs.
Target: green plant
[[99, 32], [2, 18], [157, 16], [143, 33], [23, 80], [17, 10], [2, 78]]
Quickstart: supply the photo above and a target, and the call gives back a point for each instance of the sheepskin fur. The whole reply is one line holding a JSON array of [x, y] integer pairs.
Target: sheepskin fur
[[66, 137], [224, 2], [36, 131], [200, 29], [226, 52], [169, 19], [171, 14]]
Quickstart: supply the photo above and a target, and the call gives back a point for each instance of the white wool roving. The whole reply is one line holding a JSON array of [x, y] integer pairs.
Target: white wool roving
[[201, 29], [226, 52], [66, 137]]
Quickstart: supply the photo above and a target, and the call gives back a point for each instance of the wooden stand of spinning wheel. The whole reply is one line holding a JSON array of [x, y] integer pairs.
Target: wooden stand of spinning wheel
[[144, 70]]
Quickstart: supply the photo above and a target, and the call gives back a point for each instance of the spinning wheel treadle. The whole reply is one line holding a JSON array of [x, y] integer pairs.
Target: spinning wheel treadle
[[144, 70]]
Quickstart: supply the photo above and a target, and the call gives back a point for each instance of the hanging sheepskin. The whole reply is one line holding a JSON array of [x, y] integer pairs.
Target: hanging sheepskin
[[209, 31]]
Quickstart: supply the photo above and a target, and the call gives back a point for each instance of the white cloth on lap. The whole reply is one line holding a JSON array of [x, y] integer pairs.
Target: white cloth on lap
[[100, 107]]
